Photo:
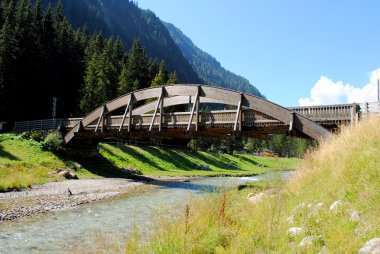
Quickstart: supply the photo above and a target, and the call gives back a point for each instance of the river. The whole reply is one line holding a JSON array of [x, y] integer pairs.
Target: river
[[53, 232]]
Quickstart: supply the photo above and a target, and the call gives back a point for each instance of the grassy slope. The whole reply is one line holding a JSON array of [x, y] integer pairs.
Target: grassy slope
[[23, 162], [346, 168], [158, 161]]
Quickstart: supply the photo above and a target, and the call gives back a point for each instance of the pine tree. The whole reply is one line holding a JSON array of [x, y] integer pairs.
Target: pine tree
[[90, 97], [173, 79], [161, 77], [154, 67], [137, 66]]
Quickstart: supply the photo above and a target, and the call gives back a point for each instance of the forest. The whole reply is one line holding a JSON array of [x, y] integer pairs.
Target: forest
[[43, 57]]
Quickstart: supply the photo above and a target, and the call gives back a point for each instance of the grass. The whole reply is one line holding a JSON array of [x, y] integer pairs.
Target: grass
[[23, 162], [345, 168], [171, 162]]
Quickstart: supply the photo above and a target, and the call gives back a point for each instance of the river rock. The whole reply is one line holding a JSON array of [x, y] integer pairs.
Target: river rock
[[307, 241], [354, 216], [316, 209], [371, 247], [334, 205], [64, 173], [294, 231], [72, 175], [131, 171], [256, 198]]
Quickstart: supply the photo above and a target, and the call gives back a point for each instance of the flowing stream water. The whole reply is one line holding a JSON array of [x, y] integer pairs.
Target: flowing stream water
[[52, 233]]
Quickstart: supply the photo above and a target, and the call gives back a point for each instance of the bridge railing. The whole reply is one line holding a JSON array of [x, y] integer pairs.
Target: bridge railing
[[326, 112], [321, 114], [369, 109], [44, 124]]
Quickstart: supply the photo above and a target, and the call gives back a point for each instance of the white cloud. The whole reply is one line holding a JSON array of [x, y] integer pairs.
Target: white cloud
[[326, 91]]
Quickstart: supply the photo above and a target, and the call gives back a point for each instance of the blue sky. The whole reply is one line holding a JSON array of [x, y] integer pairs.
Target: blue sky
[[295, 52]]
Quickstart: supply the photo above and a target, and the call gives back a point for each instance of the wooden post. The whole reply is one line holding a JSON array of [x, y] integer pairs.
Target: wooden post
[[101, 117], [161, 112], [353, 114], [156, 110], [125, 113], [238, 119], [195, 106], [130, 114], [197, 116]]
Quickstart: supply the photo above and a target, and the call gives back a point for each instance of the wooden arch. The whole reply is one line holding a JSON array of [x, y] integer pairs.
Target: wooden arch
[[179, 94]]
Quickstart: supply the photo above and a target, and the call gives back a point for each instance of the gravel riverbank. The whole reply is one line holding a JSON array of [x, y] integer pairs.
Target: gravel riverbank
[[55, 196]]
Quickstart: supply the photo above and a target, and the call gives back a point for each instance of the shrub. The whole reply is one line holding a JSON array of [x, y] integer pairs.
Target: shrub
[[53, 141], [37, 136]]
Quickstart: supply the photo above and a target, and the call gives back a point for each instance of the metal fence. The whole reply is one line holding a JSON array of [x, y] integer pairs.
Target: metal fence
[[37, 125]]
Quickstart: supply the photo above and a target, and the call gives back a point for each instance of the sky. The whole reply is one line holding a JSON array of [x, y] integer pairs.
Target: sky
[[296, 52]]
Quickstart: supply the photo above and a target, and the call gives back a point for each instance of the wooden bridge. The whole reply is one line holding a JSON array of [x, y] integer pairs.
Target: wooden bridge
[[179, 112]]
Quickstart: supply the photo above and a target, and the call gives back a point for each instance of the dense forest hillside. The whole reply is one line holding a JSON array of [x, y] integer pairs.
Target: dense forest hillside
[[125, 20], [207, 67], [43, 59]]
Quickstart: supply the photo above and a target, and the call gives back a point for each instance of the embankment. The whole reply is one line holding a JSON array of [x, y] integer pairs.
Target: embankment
[[331, 205]]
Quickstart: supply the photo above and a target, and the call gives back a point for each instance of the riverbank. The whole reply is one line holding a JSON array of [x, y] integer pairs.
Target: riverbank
[[330, 205], [23, 162]]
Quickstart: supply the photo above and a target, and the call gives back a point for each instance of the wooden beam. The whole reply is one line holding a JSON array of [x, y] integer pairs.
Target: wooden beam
[[101, 116], [197, 112], [130, 115], [125, 113], [156, 110], [195, 106], [353, 114], [161, 113], [238, 115]]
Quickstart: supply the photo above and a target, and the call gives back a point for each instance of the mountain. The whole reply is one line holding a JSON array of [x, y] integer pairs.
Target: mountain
[[125, 20], [207, 67]]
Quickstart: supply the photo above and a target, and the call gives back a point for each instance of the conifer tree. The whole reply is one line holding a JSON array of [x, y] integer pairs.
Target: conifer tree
[[137, 66], [161, 77], [173, 79]]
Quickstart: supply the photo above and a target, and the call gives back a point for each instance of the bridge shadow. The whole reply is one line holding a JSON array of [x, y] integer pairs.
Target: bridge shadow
[[186, 185], [176, 158], [6, 155], [131, 151]]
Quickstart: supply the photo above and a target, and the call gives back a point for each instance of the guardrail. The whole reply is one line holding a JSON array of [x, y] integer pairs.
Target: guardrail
[[369, 109], [38, 125]]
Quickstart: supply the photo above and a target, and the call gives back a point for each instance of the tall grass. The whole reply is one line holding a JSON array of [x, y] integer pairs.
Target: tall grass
[[345, 168]]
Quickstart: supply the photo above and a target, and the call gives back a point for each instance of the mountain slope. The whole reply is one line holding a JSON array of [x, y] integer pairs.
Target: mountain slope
[[207, 67], [124, 19]]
